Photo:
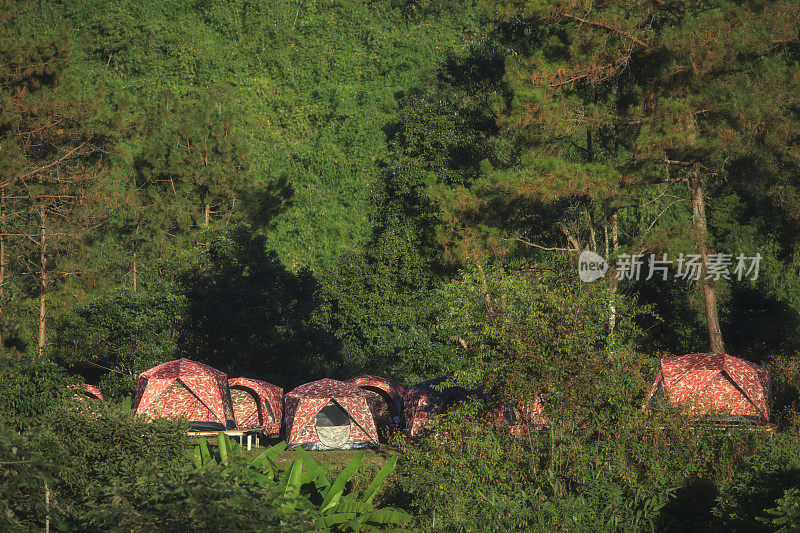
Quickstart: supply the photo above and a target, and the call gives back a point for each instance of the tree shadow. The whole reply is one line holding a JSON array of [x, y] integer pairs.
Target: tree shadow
[[700, 505], [691, 508], [250, 316], [757, 326], [677, 326], [266, 203]]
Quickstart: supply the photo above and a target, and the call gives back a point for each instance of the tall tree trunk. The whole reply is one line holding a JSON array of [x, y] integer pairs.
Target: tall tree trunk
[[42, 279], [2, 247], [709, 293], [206, 214], [612, 288], [592, 233], [135, 257], [485, 286], [2, 252]]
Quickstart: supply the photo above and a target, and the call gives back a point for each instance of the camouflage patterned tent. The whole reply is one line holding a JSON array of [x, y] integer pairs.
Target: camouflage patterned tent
[[715, 386], [386, 400], [256, 404], [513, 418], [329, 415], [84, 390], [186, 389], [423, 402]]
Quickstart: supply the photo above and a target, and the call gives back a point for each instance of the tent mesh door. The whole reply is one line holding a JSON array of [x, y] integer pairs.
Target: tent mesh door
[[333, 425]]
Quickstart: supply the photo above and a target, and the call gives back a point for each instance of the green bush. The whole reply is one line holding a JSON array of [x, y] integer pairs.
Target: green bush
[[642, 473], [32, 389], [98, 445], [23, 481], [211, 499], [307, 485], [786, 514], [470, 477], [125, 331]]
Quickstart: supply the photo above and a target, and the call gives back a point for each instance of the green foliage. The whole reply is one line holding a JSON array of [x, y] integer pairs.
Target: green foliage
[[32, 390], [380, 302], [473, 478], [651, 474], [533, 330], [786, 514], [286, 190], [23, 478], [126, 332], [98, 445], [212, 498], [304, 485]]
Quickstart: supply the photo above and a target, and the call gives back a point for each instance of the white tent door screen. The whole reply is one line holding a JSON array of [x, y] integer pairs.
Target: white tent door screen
[[333, 425]]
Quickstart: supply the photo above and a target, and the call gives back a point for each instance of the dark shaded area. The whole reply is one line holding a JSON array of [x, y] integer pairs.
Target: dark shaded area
[[266, 203], [691, 509], [249, 316], [758, 325], [332, 415], [677, 326], [11, 334]]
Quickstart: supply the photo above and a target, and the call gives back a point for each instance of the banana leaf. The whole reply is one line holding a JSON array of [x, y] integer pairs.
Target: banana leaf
[[198, 458], [388, 517], [204, 451], [321, 482], [333, 494], [380, 477], [292, 491], [333, 519], [222, 445], [270, 453], [353, 507]]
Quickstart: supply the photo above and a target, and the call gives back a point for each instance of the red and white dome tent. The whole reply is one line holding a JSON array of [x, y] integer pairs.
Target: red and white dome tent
[[714, 386], [423, 403], [386, 400], [256, 404], [186, 389], [515, 419], [329, 415], [84, 390]]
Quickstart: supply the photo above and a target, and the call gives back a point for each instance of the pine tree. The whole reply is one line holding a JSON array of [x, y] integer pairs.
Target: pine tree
[[616, 96], [52, 141]]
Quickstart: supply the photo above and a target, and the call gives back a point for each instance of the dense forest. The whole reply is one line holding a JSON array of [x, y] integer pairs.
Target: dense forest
[[293, 190]]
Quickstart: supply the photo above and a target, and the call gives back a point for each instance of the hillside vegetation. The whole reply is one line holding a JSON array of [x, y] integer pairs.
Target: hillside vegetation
[[292, 190]]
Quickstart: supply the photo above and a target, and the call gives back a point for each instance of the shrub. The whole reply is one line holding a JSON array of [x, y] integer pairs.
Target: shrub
[[99, 445], [211, 499], [32, 389], [23, 478], [787, 512]]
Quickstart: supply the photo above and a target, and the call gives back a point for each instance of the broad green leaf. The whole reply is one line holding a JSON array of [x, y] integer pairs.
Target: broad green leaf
[[312, 475], [353, 507], [204, 451], [380, 477], [270, 453], [222, 444], [335, 491], [292, 491], [198, 458], [321, 482], [333, 519], [388, 517]]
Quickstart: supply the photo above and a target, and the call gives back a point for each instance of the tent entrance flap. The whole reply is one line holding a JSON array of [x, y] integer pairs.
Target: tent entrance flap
[[333, 425]]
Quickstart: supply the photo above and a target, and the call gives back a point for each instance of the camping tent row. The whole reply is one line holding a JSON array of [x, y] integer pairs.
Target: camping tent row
[[207, 398], [329, 414]]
